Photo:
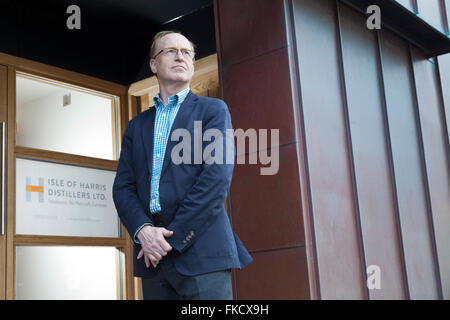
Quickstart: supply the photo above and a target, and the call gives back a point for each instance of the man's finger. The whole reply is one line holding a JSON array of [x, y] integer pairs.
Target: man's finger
[[141, 253], [154, 261], [147, 263], [161, 246], [166, 247], [157, 255]]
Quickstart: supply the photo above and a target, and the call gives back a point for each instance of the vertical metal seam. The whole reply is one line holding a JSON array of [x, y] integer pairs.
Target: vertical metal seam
[[446, 127], [415, 6], [387, 134], [302, 149], [351, 163], [444, 17], [446, 139], [425, 179]]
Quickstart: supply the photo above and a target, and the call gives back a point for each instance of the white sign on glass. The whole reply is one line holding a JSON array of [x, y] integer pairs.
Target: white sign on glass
[[64, 200]]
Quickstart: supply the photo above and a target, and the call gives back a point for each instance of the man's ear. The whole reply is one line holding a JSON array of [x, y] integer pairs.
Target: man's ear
[[153, 66]]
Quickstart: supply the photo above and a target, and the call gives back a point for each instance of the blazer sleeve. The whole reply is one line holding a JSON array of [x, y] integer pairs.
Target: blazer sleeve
[[126, 200], [204, 201]]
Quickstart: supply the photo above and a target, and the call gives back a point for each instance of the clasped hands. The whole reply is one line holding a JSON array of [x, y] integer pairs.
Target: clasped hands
[[154, 244]]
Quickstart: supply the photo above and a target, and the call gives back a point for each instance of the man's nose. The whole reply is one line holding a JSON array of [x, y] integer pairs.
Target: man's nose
[[179, 55]]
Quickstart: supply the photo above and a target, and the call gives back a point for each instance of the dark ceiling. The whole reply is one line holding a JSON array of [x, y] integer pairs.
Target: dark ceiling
[[114, 38]]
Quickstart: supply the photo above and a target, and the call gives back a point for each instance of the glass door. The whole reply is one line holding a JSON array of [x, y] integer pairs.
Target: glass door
[[64, 238]]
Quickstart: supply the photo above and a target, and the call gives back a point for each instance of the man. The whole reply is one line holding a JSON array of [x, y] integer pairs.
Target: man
[[184, 245]]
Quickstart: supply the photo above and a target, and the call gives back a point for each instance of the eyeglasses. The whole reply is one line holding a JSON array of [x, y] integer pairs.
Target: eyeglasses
[[173, 52]]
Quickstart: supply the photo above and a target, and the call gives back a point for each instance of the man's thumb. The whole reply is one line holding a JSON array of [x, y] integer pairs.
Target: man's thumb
[[167, 233]]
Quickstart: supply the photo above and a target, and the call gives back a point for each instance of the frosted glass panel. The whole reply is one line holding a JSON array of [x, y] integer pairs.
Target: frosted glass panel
[[59, 118], [64, 200], [60, 273]]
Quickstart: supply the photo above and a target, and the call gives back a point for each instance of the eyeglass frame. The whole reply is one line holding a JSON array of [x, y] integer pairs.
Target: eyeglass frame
[[178, 49]]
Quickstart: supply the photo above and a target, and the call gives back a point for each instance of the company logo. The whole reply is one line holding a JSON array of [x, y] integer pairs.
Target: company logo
[[39, 189]]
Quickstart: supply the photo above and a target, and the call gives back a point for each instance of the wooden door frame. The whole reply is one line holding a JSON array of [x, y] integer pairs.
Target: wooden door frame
[[14, 65], [3, 107]]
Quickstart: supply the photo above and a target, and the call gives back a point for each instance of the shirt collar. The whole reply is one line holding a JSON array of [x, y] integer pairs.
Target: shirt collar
[[175, 99]]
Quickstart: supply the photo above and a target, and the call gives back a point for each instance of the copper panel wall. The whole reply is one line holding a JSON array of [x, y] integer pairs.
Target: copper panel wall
[[265, 209], [444, 259], [364, 152], [431, 12], [377, 155], [338, 244], [371, 156], [435, 149], [406, 155], [408, 167], [444, 68], [407, 4], [447, 14], [434, 12]]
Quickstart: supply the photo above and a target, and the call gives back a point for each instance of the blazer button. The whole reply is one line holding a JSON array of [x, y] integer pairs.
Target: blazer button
[[149, 178]]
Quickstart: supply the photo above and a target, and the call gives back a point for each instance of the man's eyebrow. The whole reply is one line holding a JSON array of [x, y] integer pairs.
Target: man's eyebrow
[[179, 48]]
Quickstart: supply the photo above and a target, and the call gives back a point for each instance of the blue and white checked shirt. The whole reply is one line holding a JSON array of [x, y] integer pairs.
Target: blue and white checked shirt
[[164, 118]]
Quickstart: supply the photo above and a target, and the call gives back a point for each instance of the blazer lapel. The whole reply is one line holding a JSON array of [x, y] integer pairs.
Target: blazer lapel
[[180, 121], [148, 129]]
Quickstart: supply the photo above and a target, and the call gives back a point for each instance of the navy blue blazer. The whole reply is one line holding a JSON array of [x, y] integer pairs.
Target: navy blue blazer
[[191, 195]]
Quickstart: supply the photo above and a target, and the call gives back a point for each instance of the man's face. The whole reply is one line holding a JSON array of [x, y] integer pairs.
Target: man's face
[[173, 68]]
